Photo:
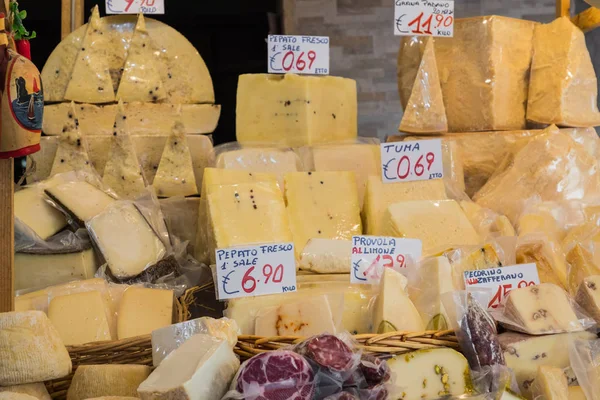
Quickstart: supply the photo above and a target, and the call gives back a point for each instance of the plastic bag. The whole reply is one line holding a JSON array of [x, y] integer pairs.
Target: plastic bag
[[548, 256], [542, 309], [181, 219], [167, 339], [487, 223], [585, 361], [471, 258]]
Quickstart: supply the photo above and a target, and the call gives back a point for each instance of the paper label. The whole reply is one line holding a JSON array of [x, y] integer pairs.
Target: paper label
[[371, 254], [424, 18], [502, 280], [298, 54], [256, 270], [135, 6], [419, 160]]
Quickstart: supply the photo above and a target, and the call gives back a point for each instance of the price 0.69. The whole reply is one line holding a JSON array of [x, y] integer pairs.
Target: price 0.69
[[404, 165], [292, 59]]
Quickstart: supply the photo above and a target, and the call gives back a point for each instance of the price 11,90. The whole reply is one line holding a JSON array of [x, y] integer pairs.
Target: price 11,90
[[424, 18], [422, 26]]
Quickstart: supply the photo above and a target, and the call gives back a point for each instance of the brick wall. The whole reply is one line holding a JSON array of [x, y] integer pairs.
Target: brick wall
[[363, 46]]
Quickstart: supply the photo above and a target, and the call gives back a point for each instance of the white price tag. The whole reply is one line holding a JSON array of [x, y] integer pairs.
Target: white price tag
[[424, 18], [419, 160], [298, 54], [135, 6], [256, 270], [371, 254], [502, 280]]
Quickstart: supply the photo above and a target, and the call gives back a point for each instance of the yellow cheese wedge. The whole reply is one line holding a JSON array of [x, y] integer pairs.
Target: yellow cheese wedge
[[107, 380], [143, 310], [588, 296], [393, 309], [576, 393]]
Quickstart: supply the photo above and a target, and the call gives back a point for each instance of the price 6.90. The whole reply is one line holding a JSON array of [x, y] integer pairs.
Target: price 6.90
[[404, 165], [249, 282]]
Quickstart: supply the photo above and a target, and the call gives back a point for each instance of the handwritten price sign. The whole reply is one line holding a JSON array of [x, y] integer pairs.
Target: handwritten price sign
[[256, 270], [502, 280], [412, 161], [424, 18], [298, 54], [135, 6], [371, 254]]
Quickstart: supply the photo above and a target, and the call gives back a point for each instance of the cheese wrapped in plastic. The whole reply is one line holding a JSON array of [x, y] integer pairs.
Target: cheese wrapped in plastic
[[548, 256], [326, 256], [487, 223], [582, 249], [552, 166], [471, 258], [484, 73], [585, 362], [419, 87], [563, 87]]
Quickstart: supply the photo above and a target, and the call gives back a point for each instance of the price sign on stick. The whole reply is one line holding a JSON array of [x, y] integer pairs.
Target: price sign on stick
[[135, 6], [371, 254], [502, 280], [424, 18], [255, 270], [412, 161], [298, 54]]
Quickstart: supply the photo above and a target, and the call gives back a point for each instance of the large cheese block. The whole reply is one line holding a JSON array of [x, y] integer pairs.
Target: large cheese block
[[143, 310], [588, 296], [424, 110], [322, 205], [551, 384], [362, 159], [80, 318], [426, 286], [122, 171], [30, 349], [525, 353], [484, 73], [543, 308], [565, 94], [544, 169], [36, 390], [201, 368], [91, 80], [42, 268], [33, 210], [304, 318], [92, 381], [246, 213], [80, 200], [143, 118], [380, 195], [429, 374], [126, 239], [270, 160], [175, 173], [326, 256], [438, 224], [393, 309], [293, 110]]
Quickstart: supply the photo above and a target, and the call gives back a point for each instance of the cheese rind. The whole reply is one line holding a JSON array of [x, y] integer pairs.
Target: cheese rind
[[143, 310], [326, 256], [37, 390], [30, 349], [92, 381], [393, 309], [293, 110], [201, 368], [80, 200], [322, 205]]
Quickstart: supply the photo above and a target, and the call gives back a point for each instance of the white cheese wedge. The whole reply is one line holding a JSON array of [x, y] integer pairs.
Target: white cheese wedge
[[304, 318], [80, 318], [170, 338], [106, 380], [143, 310], [36, 269], [37, 390], [141, 79], [175, 174], [72, 151], [80, 200], [393, 309], [122, 171], [588, 296], [36, 213], [201, 368], [525, 353], [91, 81], [326, 256], [550, 384], [125, 239], [427, 284], [30, 349], [429, 374], [544, 308]]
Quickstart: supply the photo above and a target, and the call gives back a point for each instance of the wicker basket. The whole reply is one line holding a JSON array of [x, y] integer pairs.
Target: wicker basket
[[136, 350]]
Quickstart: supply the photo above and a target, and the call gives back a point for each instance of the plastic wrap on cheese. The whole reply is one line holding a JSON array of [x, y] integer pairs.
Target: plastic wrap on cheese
[[419, 87], [487, 223], [585, 362], [547, 253], [326, 256], [566, 93], [256, 158], [581, 247], [551, 167], [471, 258]]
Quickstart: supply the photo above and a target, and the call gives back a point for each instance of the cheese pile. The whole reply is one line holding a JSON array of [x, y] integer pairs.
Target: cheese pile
[[144, 63]]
